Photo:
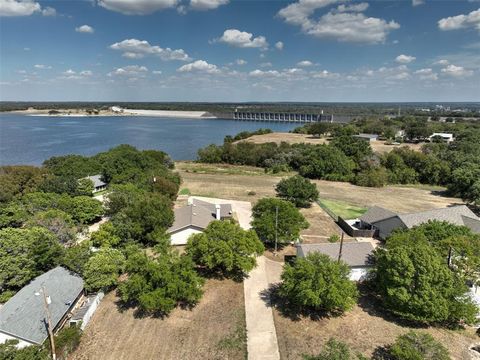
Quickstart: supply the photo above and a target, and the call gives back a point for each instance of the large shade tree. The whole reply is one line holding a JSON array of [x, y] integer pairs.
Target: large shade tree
[[297, 190]]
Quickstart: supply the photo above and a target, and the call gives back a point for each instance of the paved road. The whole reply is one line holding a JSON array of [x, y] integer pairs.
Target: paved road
[[261, 335]]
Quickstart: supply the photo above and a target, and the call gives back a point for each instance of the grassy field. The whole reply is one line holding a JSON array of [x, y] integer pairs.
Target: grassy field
[[278, 137], [343, 209], [214, 329]]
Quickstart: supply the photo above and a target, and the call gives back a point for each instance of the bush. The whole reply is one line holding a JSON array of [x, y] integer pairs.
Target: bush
[[418, 346], [66, 341], [335, 350], [102, 270], [318, 283], [334, 238], [297, 190], [376, 177]]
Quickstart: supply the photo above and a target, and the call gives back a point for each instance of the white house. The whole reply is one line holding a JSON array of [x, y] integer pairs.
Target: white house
[[446, 137], [355, 254], [194, 218], [23, 317]]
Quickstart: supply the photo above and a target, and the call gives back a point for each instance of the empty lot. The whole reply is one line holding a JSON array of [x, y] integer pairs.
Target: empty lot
[[214, 329]]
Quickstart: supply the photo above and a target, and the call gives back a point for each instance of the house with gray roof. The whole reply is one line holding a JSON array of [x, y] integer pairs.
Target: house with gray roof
[[385, 221], [194, 218], [367, 137], [355, 254], [98, 183], [23, 317]]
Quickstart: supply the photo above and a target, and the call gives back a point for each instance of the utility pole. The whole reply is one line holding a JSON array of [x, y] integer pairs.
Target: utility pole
[[341, 248], [46, 301], [276, 229]]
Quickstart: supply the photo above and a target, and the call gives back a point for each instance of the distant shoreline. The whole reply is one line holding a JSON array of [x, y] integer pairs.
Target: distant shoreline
[[114, 112]]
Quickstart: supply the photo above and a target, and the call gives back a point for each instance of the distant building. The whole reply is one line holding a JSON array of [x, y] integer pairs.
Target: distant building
[[446, 137], [98, 184], [367, 137], [385, 221], [23, 317], [355, 254], [195, 217]]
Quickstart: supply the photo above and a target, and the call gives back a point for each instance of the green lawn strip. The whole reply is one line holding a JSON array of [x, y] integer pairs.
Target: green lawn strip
[[343, 209]]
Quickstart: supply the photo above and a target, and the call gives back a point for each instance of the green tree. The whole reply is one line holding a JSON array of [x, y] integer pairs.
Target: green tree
[[226, 248], [58, 222], [77, 256], [335, 350], [353, 147], [418, 346], [102, 269], [373, 177], [290, 220], [415, 283], [105, 236], [9, 351], [86, 210], [318, 283], [297, 190], [85, 187], [157, 285]]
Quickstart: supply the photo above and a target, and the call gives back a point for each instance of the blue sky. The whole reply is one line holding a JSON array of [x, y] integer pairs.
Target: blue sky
[[227, 50]]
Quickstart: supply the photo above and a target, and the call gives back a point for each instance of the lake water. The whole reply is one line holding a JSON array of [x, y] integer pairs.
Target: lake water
[[33, 139]]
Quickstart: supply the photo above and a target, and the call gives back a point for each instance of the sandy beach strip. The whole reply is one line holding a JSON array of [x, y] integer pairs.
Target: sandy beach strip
[[170, 113]]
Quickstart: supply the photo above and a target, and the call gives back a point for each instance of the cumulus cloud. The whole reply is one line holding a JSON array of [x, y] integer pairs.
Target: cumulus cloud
[[240, 62], [404, 59], [347, 23], [242, 39], [86, 29], [304, 63], [157, 72], [24, 8], [137, 7], [135, 49], [441, 62], [471, 20], [418, 2], [199, 66], [456, 71], [206, 4], [42, 66], [279, 45], [426, 74], [130, 70]]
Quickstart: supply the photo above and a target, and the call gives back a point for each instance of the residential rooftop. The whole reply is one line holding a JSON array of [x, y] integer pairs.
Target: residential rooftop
[[355, 254]]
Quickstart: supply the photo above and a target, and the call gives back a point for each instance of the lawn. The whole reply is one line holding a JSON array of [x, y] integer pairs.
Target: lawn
[[214, 329], [343, 209]]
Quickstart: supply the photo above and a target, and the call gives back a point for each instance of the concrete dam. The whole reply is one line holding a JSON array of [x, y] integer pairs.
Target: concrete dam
[[287, 117]]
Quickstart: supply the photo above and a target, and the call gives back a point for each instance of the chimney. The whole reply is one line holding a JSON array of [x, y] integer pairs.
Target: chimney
[[217, 214]]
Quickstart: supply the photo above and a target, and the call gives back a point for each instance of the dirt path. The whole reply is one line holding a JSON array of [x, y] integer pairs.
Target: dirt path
[[261, 334]]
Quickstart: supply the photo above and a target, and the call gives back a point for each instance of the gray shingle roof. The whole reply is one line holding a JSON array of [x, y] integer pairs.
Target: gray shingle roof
[[367, 136], [376, 213], [353, 253], [199, 214], [454, 215], [97, 180], [23, 316]]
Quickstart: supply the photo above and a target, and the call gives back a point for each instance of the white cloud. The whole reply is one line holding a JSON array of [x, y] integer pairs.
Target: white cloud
[[266, 64], [69, 72], [243, 39], [21, 8], [461, 21], [86, 73], [456, 71], [404, 59], [346, 23], [426, 74], [49, 11], [135, 49], [199, 66], [304, 63], [279, 45], [441, 62], [42, 66], [86, 29], [26, 49], [157, 72], [137, 7], [240, 62], [207, 4], [261, 73], [418, 2], [130, 70], [324, 74], [360, 7]]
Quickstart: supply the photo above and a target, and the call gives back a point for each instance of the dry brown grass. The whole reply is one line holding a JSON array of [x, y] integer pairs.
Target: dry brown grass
[[364, 332], [207, 332], [290, 138]]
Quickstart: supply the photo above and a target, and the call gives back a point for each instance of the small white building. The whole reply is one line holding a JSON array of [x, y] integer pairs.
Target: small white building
[[194, 218], [367, 137], [446, 137], [355, 254]]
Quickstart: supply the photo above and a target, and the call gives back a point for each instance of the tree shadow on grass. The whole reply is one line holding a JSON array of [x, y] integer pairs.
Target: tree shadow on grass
[[273, 299], [372, 305], [238, 277]]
